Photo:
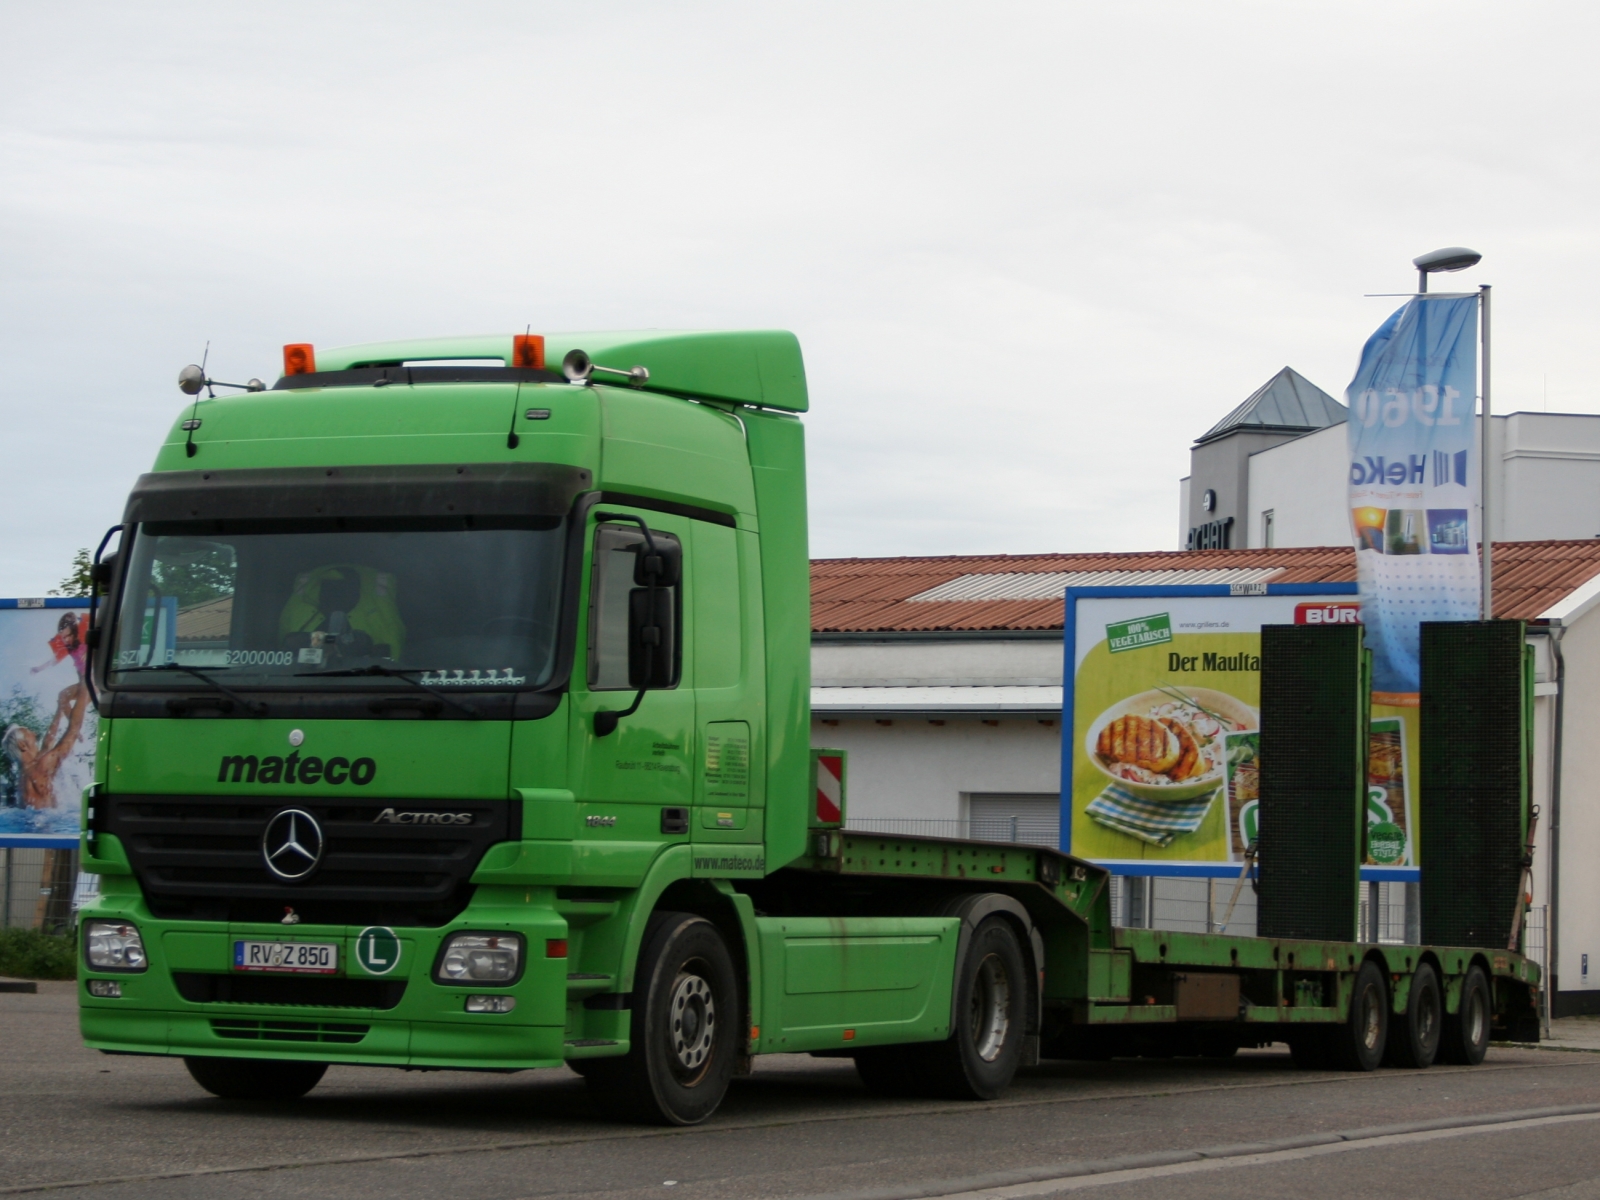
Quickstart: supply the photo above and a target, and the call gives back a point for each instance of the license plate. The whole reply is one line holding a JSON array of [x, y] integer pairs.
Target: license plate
[[317, 958]]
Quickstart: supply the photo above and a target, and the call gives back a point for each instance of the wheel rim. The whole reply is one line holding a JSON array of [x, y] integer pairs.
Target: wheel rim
[[991, 1008], [1371, 1019], [1428, 1016], [1475, 1021], [692, 1020]]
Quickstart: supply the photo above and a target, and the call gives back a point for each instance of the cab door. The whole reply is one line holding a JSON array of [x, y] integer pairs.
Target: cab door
[[730, 808], [625, 779]]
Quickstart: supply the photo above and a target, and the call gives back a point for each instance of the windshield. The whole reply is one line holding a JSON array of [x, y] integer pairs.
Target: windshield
[[464, 603]]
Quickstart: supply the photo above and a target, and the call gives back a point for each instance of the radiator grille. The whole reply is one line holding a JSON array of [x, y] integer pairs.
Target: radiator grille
[[1471, 786], [299, 991], [288, 1031], [199, 857], [1312, 780]]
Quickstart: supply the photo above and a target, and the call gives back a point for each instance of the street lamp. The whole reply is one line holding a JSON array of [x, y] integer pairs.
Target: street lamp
[[1459, 258], [1451, 258]]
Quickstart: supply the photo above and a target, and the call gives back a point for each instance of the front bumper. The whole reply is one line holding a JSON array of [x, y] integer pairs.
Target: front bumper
[[426, 1026]]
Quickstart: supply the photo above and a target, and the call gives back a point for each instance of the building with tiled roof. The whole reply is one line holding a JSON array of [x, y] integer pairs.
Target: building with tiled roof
[[943, 678]]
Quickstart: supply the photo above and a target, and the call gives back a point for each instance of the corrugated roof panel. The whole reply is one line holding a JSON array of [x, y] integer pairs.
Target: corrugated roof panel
[[1050, 584]]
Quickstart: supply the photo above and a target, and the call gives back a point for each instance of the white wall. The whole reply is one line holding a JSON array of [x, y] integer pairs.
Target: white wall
[[1550, 476], [1306, 484], [913, 769], [1547, 486], [957, 663], [1580, 811]]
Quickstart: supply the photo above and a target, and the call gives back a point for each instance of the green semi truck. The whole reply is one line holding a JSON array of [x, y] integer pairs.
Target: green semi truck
[[455, 715]]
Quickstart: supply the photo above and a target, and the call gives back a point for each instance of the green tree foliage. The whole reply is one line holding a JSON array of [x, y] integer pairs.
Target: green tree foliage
[[77, 581]]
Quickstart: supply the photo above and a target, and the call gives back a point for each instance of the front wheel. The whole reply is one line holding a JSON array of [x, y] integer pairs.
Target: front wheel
[[685, 1029], [255, 1078]]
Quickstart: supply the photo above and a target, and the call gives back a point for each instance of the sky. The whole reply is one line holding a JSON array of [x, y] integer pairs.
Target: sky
[[1031, 251]]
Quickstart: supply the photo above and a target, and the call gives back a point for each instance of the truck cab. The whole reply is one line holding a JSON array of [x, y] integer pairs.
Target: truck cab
[[426, 673]]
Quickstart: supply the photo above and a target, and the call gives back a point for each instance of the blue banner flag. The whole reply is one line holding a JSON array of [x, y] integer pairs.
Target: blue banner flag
[[1413, 470]]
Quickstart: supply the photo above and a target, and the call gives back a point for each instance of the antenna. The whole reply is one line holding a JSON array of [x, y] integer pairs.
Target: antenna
[[512, 440]]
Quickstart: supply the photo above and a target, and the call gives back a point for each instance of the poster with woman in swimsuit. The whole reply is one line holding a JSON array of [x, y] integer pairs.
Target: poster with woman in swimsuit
[[47, 724]]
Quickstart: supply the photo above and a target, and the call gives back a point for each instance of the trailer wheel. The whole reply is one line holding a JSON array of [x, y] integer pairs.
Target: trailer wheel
[[684, 1033], [1415, 1042], [255, 1078], [1359, 1043], [1466, 1031], [979, 1058]]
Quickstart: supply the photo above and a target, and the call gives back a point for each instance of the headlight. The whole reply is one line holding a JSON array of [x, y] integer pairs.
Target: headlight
[[113, 946], [480, 958]]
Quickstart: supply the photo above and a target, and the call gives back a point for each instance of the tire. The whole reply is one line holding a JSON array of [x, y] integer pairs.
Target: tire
[[684, 1035], [978, 1059], [1359, 1043], [1414, 1038], [255, 1078], [1465, 1037]]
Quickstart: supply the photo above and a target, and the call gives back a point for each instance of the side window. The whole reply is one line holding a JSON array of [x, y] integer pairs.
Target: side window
[[614, 662]]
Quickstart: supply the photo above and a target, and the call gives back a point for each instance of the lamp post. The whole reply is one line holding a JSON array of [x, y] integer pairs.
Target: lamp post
[[1459, 258]]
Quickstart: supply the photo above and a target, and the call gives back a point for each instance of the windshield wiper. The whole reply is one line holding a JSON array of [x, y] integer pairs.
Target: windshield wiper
[[253, 707], [391, 673]]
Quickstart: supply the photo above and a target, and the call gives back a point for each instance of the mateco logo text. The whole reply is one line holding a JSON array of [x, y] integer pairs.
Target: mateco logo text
[[1141, 631], [247, 768], [390, 817]]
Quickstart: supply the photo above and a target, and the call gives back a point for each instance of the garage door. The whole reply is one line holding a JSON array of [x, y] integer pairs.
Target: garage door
[[1033, 818]]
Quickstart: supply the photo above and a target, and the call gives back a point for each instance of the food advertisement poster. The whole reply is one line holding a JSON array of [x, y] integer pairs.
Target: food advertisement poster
[[47, 725], [1162, 738]]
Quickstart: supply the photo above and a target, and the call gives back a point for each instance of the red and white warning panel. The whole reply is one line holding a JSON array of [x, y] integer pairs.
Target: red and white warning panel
[[827, 785]]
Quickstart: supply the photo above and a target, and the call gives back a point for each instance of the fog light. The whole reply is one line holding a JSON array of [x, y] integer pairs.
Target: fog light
[[480, 958], [106, 989], [113, 946], [491, 1004]]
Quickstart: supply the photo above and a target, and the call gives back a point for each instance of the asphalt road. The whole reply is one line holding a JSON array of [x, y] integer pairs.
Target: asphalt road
[[798, 1127]]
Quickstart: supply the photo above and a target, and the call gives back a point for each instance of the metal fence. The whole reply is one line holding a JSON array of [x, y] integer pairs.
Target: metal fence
[[41, 889], [1020, 829]]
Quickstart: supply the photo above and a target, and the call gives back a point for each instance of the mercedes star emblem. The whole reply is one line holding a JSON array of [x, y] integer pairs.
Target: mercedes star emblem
[[291, 845]]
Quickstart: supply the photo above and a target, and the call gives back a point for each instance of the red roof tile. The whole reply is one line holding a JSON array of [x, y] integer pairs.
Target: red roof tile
[[872, 594]]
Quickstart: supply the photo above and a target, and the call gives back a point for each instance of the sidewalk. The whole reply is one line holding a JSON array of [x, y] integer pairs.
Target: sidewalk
[[1573, 1033]]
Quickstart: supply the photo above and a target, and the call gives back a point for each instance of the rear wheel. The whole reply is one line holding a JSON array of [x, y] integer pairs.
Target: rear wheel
[[685, 1029], [1414, 1041], [981, 1055], [1359, 1043], [1465, 1038], [255, 1078]]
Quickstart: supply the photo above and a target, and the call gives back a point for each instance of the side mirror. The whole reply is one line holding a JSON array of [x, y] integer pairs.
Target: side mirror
[[665, 564], [102, 572], [652, 639]]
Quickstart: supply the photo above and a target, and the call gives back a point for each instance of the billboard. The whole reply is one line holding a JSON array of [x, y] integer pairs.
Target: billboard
[[1161, 728], [47, 725]]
